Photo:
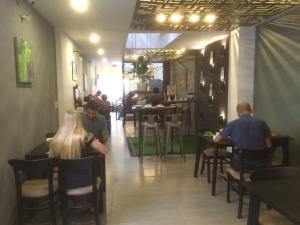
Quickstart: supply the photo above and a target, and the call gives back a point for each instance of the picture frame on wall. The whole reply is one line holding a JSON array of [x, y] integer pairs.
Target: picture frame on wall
[[74, 71], [23, 60]]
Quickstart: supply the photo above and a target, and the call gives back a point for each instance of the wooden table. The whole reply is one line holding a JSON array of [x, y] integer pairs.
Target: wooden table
[[277, 141], [161, 111], [41, 152], [281, 194]]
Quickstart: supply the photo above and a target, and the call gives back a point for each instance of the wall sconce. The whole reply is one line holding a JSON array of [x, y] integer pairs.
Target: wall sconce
[[222, 118], [222, 79], [211, 59], [202, 80], [210, 95]]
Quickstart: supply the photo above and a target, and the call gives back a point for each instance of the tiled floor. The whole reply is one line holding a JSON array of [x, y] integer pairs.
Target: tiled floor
[[158, 193]]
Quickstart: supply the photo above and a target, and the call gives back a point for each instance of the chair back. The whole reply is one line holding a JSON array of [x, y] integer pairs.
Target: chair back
[[275, 173], [151, 119], [31, 169], [173, 118], [259, 157], [75, 173]]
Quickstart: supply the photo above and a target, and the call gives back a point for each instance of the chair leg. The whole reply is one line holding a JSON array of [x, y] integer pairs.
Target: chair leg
[[96, 209], [228, 188], [158, 140], [64, 211], [221, 166], [20, 213], [203, 164], [168, 130], [124, 118], [208, 170], [52, 210], [144, 132], [241, 199], [181, 143]]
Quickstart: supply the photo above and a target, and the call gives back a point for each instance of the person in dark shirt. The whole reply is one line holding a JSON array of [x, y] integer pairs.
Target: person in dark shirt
[[93, 122], [156, 98], [246, 132]]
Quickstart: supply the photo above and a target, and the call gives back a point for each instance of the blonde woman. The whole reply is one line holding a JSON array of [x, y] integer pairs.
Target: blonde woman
[[72, 141]]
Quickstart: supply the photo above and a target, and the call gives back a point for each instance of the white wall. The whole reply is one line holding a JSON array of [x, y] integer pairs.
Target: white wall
[[64, 57], [241, 68]]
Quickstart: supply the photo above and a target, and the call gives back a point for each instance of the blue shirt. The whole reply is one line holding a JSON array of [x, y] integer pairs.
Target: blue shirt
[[247, 132]]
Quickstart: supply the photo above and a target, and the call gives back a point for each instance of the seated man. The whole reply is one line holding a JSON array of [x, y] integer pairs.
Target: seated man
[[246, 132], [93, 122], [156, 98]]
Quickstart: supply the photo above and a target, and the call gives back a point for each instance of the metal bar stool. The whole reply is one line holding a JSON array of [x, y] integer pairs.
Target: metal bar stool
[[150, 123], [173, 122]]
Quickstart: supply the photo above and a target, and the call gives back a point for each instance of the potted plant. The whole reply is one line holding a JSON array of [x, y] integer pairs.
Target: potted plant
[[141, 72]]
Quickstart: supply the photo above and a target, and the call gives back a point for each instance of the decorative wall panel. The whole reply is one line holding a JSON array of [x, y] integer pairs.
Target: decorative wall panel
[[211, 86], [230, 13]]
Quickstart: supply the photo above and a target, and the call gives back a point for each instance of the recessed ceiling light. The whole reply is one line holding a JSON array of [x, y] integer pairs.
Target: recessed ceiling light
[[175, 18], [104, 60], [100, 51], [161, 18], [210, 18], [79, 5], [194, 18], [94, 38]]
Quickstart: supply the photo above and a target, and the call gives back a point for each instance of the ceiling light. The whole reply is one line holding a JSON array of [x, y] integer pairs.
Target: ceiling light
[[210, 18], [175, 18], [100, 51], [94, 38], [161, 18], [104, 60], [178, 52], [194, 18], [182, 50], [79, 5]]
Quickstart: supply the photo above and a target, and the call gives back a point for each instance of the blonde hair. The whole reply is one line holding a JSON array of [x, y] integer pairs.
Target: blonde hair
[[70, 137]]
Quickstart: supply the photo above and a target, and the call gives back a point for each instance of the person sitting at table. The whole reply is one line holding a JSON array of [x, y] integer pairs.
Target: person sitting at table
[[93, 122], [71, 141], [246, 132], [104, 110], [156, 98]]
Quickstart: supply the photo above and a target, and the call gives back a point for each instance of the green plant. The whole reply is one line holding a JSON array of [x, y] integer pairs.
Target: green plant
[[140, 70]]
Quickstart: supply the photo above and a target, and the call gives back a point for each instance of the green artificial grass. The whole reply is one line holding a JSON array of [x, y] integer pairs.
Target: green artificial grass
[[189, 145]]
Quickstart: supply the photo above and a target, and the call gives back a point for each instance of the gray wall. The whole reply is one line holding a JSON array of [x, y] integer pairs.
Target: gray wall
[[277, 76], [26, 112]]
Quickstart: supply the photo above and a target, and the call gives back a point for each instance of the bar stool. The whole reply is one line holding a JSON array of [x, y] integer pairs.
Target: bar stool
[[150, 124], [173, 122]]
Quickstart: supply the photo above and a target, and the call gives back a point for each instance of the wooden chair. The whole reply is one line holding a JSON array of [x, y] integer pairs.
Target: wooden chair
[[260, 156], [80, 186], [208, 155], [34, 191]]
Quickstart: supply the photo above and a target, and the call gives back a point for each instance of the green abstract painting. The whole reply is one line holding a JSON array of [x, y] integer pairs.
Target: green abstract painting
[[24, 64]]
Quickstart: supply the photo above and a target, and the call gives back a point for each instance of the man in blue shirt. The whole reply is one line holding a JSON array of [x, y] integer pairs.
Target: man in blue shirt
[[246, 132]]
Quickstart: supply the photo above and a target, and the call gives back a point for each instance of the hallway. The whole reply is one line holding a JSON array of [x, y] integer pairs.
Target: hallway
[[164, 193]]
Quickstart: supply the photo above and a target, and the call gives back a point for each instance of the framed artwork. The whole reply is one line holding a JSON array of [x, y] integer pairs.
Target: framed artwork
[[74, 71], [24, 63]]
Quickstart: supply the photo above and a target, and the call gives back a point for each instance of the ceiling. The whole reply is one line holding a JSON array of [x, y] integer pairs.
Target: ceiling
[[109, 18], [230, 13], [117, 20]]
